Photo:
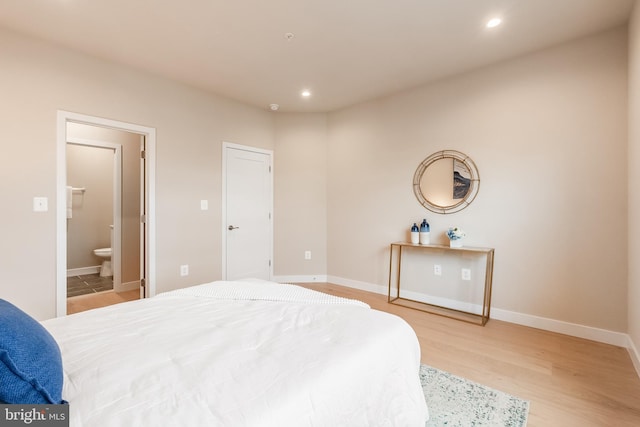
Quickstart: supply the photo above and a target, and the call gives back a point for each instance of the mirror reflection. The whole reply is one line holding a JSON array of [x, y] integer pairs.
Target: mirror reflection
[[446, 181]]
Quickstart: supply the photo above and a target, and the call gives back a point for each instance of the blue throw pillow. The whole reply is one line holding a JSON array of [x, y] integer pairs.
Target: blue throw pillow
[[30, 361]]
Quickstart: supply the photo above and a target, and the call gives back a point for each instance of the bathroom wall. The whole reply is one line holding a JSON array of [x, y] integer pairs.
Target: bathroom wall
[[130, 233], [88, 229]]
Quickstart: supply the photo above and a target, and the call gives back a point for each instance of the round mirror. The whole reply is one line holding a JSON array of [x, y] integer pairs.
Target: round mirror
[[446, 181]]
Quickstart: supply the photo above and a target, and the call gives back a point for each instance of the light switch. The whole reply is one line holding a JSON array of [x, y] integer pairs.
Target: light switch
[[40, 204], [204, 205], [184, 270]]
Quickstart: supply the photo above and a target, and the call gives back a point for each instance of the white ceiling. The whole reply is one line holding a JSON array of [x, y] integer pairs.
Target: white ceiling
[[343, 51]]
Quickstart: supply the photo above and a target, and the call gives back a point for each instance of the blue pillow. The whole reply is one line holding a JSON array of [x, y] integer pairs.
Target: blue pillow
[[30, 361]]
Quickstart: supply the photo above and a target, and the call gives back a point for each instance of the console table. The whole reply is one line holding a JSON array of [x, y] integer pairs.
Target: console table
[[426, 250]]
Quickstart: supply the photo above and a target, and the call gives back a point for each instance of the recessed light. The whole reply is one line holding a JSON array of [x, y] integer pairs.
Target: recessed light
[[492, 23], [274, 107], [306, 93]]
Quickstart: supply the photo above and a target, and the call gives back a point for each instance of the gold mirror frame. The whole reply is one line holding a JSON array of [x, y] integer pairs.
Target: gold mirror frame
[[474, 182]]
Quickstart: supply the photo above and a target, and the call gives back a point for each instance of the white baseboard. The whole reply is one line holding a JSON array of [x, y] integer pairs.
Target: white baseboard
[[635, 355], [443, 302], [363, 286], [619, 339], [83, 270], [416, 296], [301, 278], [129, 286], [595, 334]]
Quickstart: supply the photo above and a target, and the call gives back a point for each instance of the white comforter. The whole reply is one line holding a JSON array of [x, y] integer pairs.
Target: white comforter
[[234, 354]]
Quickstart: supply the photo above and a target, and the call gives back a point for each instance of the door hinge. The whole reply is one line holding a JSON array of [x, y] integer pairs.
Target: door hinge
[[269, 169], [269, 263], [143, 154], [143, 283], [269, 215], [143, 219]]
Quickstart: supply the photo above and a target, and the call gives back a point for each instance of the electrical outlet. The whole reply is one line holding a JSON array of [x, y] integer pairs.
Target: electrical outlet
[[437, 270], [184, 270], [466, 274], [307, 254], [204, 205], [40, 204]]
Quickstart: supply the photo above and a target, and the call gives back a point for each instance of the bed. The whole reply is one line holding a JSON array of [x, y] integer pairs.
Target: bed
[[246, 353]]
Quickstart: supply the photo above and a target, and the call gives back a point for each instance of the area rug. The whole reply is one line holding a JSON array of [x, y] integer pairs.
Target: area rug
[[455, 401]]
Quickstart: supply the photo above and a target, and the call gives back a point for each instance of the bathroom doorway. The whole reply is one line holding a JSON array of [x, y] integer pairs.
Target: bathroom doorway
[[105, 212], [94, 214]]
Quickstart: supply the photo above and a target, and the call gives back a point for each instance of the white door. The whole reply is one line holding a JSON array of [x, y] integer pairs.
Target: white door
[[247, 219], [144, 232]]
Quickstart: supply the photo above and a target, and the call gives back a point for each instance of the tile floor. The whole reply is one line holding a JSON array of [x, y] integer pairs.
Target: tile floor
[[88, 284]]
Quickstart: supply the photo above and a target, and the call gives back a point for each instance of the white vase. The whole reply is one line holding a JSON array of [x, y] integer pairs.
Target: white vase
[[425, 238], [455, 243]]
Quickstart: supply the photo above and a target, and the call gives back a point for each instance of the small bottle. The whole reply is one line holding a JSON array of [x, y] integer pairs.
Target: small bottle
[[424, 236], [415, 232]]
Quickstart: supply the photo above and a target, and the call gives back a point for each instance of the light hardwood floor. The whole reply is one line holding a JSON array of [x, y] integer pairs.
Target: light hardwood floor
[[569, 381], [99, 299]]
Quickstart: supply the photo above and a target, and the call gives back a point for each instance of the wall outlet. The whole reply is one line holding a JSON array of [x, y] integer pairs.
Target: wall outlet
[[204, 205], [40, 204], [184, 270], [307, 254], [466, 274], [437, 270]]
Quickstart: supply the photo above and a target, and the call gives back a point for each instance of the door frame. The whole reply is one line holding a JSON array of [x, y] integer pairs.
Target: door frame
[[116, 245], [225, 147], [149, 273]]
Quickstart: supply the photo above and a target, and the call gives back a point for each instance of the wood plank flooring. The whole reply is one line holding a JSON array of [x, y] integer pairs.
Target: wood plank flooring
[[569, 381], [100, 299]]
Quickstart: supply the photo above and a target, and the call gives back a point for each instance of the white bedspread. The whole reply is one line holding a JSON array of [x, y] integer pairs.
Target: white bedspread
[[233, 354]]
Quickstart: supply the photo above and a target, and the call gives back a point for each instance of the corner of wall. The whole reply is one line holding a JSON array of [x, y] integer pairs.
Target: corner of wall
[[634, 354], [633, 155]]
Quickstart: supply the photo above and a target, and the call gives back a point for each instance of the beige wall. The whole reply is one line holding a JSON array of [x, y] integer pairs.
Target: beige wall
[[634, 181], [547, 131], [548, 134], [92, 213], [300, 180], [37, 80]]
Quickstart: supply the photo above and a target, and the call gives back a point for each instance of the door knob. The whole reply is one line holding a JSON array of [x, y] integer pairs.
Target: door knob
[[231, 227]]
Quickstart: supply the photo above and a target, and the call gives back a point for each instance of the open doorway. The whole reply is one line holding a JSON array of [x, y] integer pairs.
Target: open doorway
[[103, 216], [105, 212]]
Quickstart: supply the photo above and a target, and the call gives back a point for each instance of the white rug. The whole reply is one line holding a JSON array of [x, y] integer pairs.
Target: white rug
[[455, 401]]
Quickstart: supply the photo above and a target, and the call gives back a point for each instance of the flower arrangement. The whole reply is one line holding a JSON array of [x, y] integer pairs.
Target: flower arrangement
[[455, 233]]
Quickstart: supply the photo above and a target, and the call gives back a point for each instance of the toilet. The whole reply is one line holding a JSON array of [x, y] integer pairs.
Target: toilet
[[105, 255]]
